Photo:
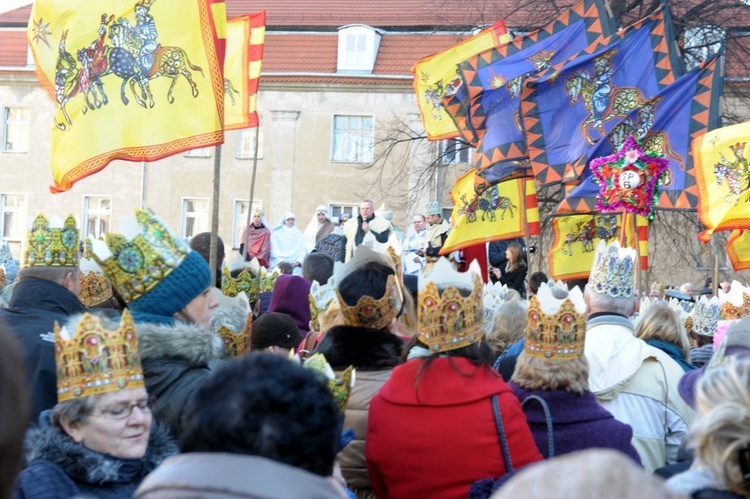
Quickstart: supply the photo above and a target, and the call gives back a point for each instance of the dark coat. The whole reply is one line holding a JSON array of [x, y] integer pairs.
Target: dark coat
[[34, 308], [515, 279], [579, 422], [60, 468]]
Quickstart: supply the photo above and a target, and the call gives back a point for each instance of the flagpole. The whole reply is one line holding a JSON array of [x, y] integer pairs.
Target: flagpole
[[252, 189], [526, 224], [213, 248]]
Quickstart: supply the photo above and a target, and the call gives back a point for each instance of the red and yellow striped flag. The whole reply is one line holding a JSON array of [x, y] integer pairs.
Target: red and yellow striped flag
[[500, 212], [245, 40], [133, 81], [738, 249], [435, 74]]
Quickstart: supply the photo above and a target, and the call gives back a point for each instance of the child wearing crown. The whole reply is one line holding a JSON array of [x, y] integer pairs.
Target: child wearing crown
[[446, 408], [100, 439]]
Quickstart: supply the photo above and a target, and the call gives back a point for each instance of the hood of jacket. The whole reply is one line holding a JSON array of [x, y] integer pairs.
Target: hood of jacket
[[87, 466], [566, 407], [365, 349], [34, 293]]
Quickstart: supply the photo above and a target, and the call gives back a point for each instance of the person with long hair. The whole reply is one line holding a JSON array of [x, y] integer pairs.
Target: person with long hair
[[445, 418], [514, 273], [661, 327]]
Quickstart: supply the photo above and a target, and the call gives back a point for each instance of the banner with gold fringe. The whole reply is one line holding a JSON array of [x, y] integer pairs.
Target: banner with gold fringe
[[129, 81], [245, 40], [436, 76], [500, 212], [738, 249]]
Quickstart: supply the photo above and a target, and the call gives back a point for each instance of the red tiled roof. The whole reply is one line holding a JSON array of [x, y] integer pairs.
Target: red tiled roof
[[13, 48], [19, 16]]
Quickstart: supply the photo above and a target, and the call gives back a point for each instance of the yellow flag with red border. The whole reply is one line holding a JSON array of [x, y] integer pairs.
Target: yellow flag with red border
[[500, 212], [738, 249], [438, 73], [245, 41], [723, 177], [137, 81]]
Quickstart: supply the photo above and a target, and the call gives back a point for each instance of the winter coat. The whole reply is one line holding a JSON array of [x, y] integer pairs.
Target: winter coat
[[578, 421], [175, 363], [436, 440], [515, 279], [373, 354], [230, 476], [35, 307], [637, 383], [60, 468]]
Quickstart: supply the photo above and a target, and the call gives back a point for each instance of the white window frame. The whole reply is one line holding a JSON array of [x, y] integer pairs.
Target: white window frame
[[358, 46], [202, 221], [351, 143], [245, 145], [454, 152], [201, 152], [21, 126], [335, 209], [239, 219], [18, 209], [92, 206]]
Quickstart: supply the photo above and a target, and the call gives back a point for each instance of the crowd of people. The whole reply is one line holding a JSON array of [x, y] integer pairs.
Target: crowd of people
[[350, 361]]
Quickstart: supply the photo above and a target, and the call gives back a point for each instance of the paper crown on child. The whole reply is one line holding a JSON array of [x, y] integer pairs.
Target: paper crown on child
[[450, 310], [246, 279], [320, 297], [369, 312], [340, 387], [706, 315], [95, 360], [95, 287], [613, 271], [233, 321], [556, 325], [51, 243]]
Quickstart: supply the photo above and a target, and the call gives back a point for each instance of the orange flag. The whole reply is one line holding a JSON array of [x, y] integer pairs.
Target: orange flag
[[245, 40], [133, 80]]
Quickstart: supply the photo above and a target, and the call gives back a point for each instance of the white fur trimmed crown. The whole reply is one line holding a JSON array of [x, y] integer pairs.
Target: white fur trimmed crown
[[613, 272]]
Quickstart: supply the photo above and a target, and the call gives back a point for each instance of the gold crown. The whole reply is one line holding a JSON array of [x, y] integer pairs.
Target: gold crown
[[267, 279], [448, 320], [140, 258], [320, 299], [369, 312], [734, 304], [95, 287], [555, 327], [340, 387], [233, 321], [95, 360], [47, 246], [688, 323], [3, 278]]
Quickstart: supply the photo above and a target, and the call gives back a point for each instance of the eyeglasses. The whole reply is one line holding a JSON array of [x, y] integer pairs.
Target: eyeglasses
[[123, 411]]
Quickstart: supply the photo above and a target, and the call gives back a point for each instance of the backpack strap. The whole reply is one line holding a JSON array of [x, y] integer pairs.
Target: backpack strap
[[501, 434], [548, 420]]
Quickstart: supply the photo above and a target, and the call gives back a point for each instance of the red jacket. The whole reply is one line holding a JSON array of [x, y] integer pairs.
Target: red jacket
[[437, 442]]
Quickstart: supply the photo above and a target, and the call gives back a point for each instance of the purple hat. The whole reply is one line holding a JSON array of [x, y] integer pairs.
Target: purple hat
[[736, 343], [290, 296]]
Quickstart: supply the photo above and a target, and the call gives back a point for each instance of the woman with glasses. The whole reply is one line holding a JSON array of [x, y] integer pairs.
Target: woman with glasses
[[100, 439]]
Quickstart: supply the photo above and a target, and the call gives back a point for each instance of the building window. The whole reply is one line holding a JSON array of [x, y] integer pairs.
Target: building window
[[454, 151], [201, 152], [240, 219], [97, 213], [358, 48], [352, 139], [14, 213], [337, 209], [246, 143], [16, 129], [194, 217]]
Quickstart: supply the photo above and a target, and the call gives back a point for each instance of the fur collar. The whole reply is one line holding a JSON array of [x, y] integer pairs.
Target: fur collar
[[365, 349], [87, 466]]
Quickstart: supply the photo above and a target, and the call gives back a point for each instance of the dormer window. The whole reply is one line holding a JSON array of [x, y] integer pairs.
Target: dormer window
[[358, 48]]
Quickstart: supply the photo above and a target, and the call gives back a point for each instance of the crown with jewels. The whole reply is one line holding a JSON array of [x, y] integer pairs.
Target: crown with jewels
[[555, 327], [320, 297], [340, 387], [95, 287], [267, 279], [51, 244], [706, 315], [450, 310], [433, 208], [613, 272], [233, 321], [733, 304], [141, 257], [369, 312], [3, 278], [247, 280], [96, 360]]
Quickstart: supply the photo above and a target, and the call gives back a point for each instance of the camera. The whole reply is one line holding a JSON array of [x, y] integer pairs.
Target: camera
[[532, 249]]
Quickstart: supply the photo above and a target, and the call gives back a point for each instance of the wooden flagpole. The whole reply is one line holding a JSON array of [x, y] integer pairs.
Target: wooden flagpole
[[252, 191], [213, 249]]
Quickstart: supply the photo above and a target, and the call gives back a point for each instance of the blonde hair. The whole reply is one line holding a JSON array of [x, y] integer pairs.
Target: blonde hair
[[722, 429], [331, 317], [662, 323], [509, 326], [534, 373], [407, 322]]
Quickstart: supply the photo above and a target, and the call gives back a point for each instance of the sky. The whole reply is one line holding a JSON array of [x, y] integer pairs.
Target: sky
[[6, 5]]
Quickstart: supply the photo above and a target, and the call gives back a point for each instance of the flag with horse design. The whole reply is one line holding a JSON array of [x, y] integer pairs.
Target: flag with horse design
[[245, 40], [133, 80]]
